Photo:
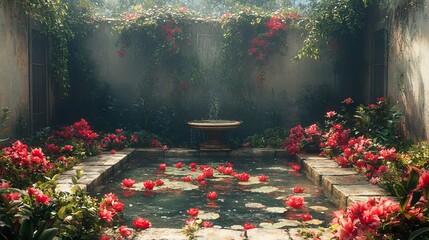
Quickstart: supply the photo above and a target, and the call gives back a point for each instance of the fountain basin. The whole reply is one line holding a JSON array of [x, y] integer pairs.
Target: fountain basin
[[214, 130]]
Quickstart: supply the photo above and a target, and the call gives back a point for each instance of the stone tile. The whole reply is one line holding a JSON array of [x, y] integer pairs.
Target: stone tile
[[282, 153], [311, 157], [181, 152], [241, 152], [317, 163], [148, 152], [64, 187], [160, 234], [263, 152], [272, 234], [340, 193], [315, 174], [328, 182]]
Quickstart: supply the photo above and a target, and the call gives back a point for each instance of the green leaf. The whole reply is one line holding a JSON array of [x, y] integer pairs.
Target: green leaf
[[48, 234], [399, 190], [413, 180], [419, 233], [62, 212], [79, 173], [416, 197], [26, 230], [74, 180], [403, 203]]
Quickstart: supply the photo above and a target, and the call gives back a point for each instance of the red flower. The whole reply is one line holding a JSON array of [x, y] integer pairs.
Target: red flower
[[203, 183], [306, 217], [53, 148], [424, 179], [164, 148], [141, 223], [220, 169], [298, 189], [128, 182], [159, 182], [193, 212], [134, 138], [208, 172], [295, 202], [183, 9], [162, 166], [106, 215], [228, 170], [42, 198], [187, 179], [330, 114], [248, 226], [193, 165], [155, 143], [149, 185], [212, 195], [228, 164], [207, 224], [106, 237], [295, 167], [348, 101], [200, 178], [113, 151], [243, 176], [263, 178], [179, 164], [118, 206], [193, 169], [125, 231], [68, 148]]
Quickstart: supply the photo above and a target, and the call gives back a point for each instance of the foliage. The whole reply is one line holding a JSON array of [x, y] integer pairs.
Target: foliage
[[191, 227], [303, 140], [49, 212], [114, 141], [272, 137], [4, 117]]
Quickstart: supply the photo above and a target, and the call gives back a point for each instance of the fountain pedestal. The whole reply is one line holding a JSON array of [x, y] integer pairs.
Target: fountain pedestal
[[214, 130]]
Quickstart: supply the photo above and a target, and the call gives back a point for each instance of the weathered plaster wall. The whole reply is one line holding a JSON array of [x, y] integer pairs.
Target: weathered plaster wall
[[285, 81], [408, 65], [14, 84]]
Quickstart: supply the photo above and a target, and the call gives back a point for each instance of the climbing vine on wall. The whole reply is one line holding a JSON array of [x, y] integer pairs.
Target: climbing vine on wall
[[62, 21]]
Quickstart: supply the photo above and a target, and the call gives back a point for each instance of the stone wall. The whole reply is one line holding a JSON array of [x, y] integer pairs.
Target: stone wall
[[408, 61], [263, 105], [14, 70]]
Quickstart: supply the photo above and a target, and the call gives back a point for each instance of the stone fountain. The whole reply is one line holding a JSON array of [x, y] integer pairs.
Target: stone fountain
[[214, 130]]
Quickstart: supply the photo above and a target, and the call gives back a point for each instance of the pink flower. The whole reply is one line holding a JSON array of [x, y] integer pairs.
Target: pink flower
[[134, 138], [141, 223], [42, 198], [193, 212], [347, 229], [330, 114], [263, 178], [298, 189], [295, 202], [162, 166], [207, 224], [128, 182], [164, 148], [306, 217], [248, 226], [118, 206], [155, 143], [424, 179], [149, 185], [106, 215], [374, 180], [212, 195], [125, 231]]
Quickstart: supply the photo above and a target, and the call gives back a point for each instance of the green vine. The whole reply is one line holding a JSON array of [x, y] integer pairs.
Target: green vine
[[163, 35], [61, 21]]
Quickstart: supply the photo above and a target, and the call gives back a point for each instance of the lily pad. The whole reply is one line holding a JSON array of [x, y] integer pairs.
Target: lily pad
[[176, 185], [275, 209], [255, 205], [251, 181], [290, 223], [276, 225], [208, 215], [236, 227], [314, 222], [264, 189], [319, 208]]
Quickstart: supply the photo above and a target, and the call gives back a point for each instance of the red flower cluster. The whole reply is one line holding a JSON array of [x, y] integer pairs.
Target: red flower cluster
[[301, 139], [79, 130], [149, 184], [10, 196], [208, 172], [115, 140], [128, 182], [109, 207], [363, 219], [175, 36]]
